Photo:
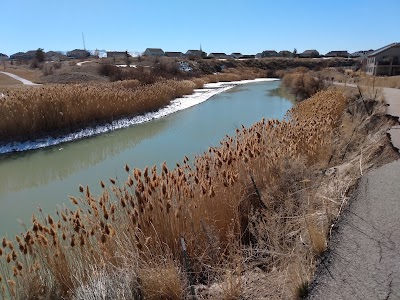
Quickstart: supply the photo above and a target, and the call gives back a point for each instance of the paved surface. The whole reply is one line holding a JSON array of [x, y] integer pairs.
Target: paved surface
[[24, 81], [363, 260], [364, 257]]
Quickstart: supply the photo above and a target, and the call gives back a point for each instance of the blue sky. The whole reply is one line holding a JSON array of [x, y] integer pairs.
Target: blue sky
[[218, 25]]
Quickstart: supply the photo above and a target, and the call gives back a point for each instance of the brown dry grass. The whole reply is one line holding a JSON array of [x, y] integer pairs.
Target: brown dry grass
[[212, 203], [24, 72], [36, 112], [7, 80]]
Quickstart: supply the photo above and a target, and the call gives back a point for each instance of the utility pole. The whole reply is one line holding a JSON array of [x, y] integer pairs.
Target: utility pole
[[83, 39]]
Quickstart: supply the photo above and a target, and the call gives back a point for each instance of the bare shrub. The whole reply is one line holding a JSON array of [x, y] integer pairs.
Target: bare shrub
[[303, 85]]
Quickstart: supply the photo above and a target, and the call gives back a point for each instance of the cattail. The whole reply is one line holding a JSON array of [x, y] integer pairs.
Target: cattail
[[81, 188], [112, 180], [127, 168], [82, 240], [51, 222], [72, 244], [103, 238], [102, 184], [4, 242], [107, 229], [14, 255]]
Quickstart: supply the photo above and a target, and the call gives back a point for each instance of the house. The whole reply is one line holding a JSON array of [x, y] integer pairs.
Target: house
[[24, 55], [153, 52], [3, 57], [237, 55], [384, 61], [78, 53], [285, 53], [248, 56], [340, 53], [174, 54], [258, 55], [361, 53], [269, 53], [54, 56], [309, 54], [195, 53], [118, 54], [218, 55]]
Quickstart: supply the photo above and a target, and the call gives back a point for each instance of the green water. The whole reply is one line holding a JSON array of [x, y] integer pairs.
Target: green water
[[46, 177]]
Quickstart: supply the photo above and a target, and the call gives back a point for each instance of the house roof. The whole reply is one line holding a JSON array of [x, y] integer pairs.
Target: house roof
[[383, 49], [155, 50], [311, 51], [194, 51], [337, 52]]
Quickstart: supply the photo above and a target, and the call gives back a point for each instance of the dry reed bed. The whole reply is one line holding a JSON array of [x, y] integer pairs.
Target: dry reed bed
[[36, 112], [59, 109], [248, 199]]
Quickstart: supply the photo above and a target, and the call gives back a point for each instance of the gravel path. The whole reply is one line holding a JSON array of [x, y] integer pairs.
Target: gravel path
[[24, 81]]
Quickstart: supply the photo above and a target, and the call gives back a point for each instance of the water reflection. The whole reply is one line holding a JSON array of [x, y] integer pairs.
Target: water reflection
[[35, 168]]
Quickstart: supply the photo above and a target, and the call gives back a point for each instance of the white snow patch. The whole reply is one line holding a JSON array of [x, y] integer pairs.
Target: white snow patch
[[82, 62], [124, 66], [199, 96]]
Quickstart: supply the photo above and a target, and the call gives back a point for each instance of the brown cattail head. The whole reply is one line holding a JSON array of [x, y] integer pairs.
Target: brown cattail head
[[127, 168], [81, 188]]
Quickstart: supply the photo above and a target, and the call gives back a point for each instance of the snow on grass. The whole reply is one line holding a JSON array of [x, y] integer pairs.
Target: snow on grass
[[199, 96]]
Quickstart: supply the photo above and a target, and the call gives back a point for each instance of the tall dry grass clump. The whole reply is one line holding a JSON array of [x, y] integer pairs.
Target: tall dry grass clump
[[37, 112], [249, 202], [302, 85]]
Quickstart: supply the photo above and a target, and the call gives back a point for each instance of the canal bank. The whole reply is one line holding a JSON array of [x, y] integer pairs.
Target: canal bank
[[47, 176]]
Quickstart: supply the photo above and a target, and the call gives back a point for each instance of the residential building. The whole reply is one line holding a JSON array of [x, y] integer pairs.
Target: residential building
[[309, 54], [237, 55], [248, 56], [54, 56], [385, 61], [78, 53], [24, 55], [218, 55], [269, 53], [174, 54], [118, 54], [285, 53], [3, 57], [361, 53], [337, 53], [195, 53], [153, 52]]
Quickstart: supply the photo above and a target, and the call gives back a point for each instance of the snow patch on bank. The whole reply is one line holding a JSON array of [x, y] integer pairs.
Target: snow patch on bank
[[199, 96]]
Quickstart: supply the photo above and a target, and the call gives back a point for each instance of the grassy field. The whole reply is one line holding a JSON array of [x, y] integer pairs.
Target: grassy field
[[264, 200], [6, 80]]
